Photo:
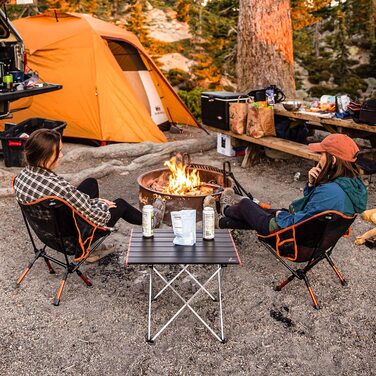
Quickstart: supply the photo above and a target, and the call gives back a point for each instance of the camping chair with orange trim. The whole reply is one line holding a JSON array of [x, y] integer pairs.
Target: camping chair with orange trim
[[61, 228], [309, 241]]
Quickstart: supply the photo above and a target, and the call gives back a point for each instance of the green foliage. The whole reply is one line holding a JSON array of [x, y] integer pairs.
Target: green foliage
[[319, 90], [136, 21], [372, 58], [365, 70], [353, 85], [324, 32], [192, 100], [316, 78], [162, 4], [182, 10], [323, 48], [180, 78]]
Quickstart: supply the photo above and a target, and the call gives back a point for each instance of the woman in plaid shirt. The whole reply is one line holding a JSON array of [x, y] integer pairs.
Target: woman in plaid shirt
[[43, 152]]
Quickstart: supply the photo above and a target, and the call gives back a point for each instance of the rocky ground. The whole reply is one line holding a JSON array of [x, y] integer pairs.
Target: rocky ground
[[101, 330]]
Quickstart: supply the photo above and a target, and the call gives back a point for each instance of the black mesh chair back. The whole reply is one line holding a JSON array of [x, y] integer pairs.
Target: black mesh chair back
[[61, 228], [52, 224], [309, 241]]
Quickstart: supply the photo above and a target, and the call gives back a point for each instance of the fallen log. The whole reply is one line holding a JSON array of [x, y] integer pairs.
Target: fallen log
[[161, 153], [126, 150], [148, 154]]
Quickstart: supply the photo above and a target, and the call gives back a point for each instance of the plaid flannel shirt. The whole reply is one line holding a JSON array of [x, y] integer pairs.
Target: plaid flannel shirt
[[34, 183]]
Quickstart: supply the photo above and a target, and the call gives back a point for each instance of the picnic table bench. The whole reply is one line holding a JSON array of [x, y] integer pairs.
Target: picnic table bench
[[332, 125]]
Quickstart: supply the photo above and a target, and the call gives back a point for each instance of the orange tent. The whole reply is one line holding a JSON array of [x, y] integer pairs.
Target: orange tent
[[112, 90]]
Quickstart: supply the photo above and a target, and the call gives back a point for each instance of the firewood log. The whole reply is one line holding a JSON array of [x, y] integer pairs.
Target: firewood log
[[369, 215], [362, 238]]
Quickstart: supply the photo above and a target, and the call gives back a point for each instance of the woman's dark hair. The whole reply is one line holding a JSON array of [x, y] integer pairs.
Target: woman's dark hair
[[340, 168], [41, 146]]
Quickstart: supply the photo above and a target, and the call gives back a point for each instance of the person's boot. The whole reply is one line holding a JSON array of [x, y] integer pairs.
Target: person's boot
[[159, 211], [228, 198]]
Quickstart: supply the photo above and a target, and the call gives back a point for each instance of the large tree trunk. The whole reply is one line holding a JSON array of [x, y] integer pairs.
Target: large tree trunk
[[264, 51]]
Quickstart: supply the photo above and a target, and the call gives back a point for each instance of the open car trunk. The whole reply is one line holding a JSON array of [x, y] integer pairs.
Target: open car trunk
[[13, 63]]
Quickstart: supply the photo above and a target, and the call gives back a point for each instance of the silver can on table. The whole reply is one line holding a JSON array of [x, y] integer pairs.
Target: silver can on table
[[208, 223], [147, 221]]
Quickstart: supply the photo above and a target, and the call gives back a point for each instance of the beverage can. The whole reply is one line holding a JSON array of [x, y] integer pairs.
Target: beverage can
[[297, 176], [8, 81], [147, 221], [208, 223]]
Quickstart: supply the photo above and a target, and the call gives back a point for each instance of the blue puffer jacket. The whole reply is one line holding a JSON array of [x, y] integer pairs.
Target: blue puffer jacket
[[345, 195]]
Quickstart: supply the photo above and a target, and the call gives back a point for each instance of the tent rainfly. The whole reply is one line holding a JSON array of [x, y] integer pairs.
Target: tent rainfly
[[112, 90]]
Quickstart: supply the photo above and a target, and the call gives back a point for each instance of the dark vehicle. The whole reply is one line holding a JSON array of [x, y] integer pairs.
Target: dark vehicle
[[15, 83]]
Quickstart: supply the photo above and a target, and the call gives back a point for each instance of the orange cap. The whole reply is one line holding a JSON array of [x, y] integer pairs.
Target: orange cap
[[339, 145]]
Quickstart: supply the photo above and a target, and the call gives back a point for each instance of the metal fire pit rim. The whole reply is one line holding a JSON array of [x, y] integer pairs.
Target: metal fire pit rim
[[167, 170]]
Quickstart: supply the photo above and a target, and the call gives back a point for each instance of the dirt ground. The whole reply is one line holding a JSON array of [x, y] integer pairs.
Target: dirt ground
[[101, 330]]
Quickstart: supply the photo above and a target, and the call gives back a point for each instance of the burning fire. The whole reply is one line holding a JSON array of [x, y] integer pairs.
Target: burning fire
[[181, 180]]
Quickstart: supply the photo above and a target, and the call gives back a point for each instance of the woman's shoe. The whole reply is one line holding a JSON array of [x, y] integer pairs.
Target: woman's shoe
[[228, 198], [159, 210], [209, 201]]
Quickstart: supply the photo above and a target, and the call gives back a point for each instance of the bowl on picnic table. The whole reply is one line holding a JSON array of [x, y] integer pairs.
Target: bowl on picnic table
[[292, 105]]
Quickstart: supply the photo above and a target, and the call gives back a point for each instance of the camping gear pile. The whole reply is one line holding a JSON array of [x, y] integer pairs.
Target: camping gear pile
[[112, 90], [364, 113], [14, 138], [242, 113], [291, 105]]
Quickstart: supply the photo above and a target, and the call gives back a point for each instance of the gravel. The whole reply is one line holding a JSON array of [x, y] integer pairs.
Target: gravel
[[101, 330]]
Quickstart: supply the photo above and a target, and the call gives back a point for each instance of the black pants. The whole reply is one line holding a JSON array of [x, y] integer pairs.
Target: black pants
[[247, 215], [123, 209]]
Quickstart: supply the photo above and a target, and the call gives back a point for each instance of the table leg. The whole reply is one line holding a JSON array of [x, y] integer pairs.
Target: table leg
[[150, 299], [220, 303]]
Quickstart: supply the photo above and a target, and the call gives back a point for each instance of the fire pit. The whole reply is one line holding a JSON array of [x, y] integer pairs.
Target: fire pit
[[182, 186]]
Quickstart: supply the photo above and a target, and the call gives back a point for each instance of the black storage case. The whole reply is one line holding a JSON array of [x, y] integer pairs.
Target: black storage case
[[367, 112], [12, 143], [215, 107]]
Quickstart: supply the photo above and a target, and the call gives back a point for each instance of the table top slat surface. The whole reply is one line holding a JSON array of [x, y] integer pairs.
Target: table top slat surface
[[161, 250]]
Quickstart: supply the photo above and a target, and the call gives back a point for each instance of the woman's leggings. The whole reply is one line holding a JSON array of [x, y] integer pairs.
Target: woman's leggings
[[122, 210], [247, 215]]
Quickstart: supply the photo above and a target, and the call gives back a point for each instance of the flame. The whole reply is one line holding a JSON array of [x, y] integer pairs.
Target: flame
[[181, 180]]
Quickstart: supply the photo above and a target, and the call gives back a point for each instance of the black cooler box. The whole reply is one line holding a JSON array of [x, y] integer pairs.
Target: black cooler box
[[13, 144], [215, 107]]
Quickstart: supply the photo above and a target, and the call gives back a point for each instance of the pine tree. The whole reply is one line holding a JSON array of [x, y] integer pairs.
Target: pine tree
[[305, 13], [136, 22], [57, 4], [341, 64], [83, 6], [360, 20], [182, 10], [264, 48]]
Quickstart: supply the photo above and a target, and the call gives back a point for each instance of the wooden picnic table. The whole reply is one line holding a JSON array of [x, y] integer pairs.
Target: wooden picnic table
[[332, 125]]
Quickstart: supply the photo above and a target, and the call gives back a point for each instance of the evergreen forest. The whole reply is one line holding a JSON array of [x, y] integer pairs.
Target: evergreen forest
[[334, 42]]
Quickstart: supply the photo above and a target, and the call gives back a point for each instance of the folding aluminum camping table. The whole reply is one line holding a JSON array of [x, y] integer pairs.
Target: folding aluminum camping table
[[160, 250]]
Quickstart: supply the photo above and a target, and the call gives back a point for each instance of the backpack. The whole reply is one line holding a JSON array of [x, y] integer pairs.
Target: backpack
[[354, 109], [367, 112]]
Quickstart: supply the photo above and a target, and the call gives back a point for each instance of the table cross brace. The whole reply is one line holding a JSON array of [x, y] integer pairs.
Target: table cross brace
[[186, 304]]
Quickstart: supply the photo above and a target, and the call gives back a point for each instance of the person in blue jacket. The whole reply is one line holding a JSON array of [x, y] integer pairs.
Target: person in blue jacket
[[333, 184]]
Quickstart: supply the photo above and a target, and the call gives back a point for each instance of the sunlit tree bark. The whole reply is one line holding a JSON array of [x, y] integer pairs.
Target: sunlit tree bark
[[264, 51]]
